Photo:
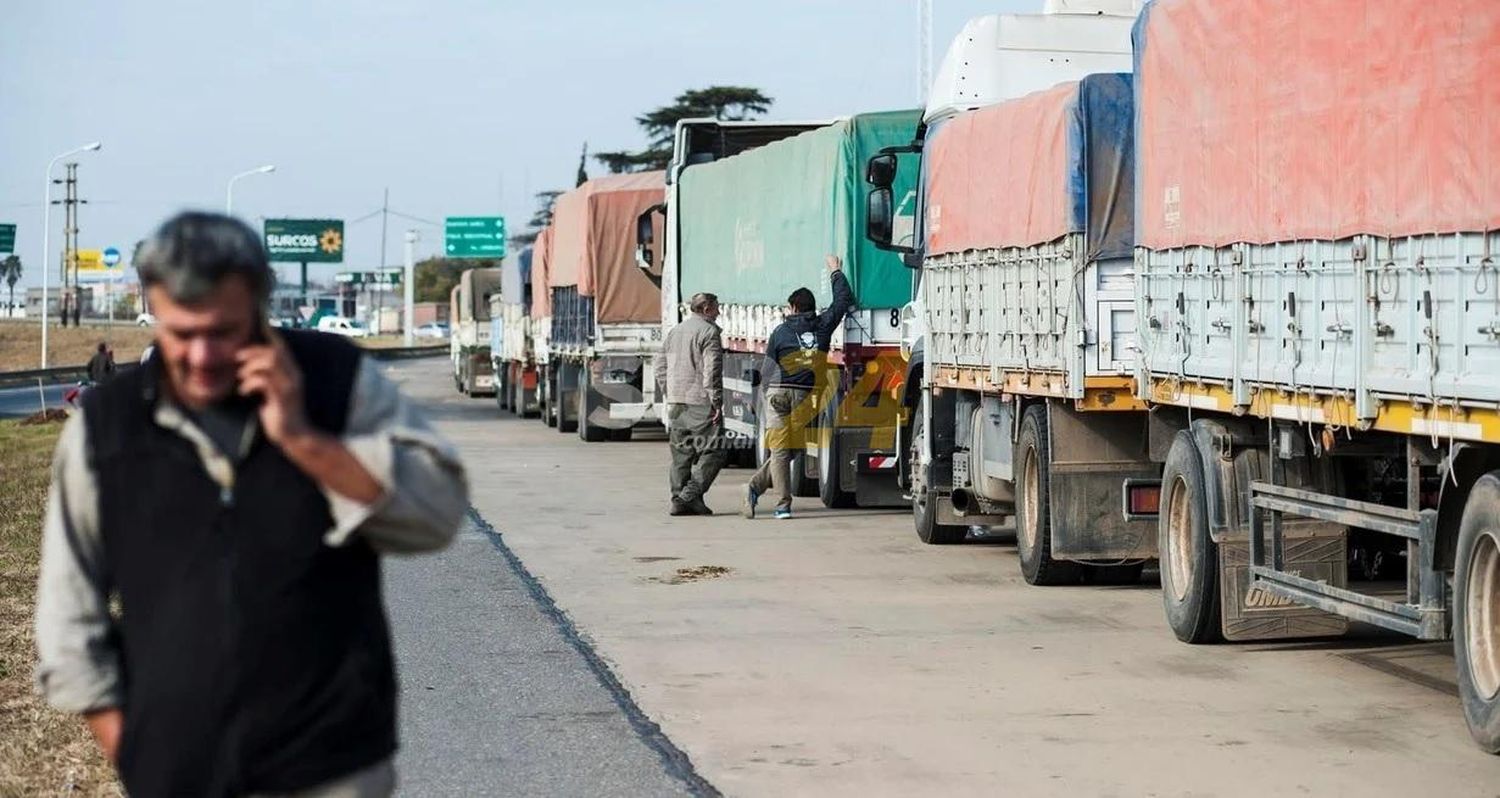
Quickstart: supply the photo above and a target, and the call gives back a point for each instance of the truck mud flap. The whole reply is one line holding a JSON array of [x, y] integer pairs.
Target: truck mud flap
[[1314, 551]]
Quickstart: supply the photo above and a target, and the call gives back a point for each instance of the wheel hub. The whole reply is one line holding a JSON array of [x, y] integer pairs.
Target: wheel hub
[[1031, 490], [1482, 612], [1179, 540]]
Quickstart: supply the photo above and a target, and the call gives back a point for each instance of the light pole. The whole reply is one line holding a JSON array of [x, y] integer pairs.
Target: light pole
[[229, 192], [408, 278], [46, 224]]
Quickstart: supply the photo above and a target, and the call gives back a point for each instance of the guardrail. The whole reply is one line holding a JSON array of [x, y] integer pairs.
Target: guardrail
[[52, 376]]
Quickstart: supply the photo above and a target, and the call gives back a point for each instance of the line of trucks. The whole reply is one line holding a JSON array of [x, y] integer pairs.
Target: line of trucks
[[1201, 284]]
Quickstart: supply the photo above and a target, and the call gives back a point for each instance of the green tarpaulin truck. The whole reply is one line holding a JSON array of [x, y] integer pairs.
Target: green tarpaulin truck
[[752, 210]]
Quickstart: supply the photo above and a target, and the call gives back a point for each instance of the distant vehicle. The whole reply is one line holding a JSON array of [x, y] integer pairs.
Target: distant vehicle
[[145, 320], [285, 322], [338, 325], [432, 329], [469, 346]]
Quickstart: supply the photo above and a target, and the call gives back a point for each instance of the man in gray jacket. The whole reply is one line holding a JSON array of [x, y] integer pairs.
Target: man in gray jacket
[[236, 493], [690, 369]]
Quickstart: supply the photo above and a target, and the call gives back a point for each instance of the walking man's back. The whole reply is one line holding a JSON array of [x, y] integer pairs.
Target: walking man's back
[[795, 355]]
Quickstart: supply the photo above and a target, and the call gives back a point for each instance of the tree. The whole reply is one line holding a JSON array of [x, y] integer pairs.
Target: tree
[[10, 271], [539, 220], [434, 278], [718, 102], [583, 161]]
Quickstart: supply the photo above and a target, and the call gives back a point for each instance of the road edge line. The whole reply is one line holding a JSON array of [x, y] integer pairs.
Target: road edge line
[[676, 761]]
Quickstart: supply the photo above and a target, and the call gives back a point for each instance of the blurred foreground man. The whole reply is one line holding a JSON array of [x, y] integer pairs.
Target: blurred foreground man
[[234, 495]]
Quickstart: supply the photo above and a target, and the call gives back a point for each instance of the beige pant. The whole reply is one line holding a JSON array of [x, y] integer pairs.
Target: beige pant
[[787, 417]]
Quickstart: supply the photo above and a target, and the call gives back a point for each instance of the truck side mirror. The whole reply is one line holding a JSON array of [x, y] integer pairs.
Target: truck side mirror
[[644, 237], [878, 219], [880, 172]]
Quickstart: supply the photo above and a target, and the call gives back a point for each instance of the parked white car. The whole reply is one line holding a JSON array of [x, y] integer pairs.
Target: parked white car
[[338, 325], [432, 329]]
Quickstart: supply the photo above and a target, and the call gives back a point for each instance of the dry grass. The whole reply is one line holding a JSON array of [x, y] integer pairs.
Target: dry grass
[[21, 344], [42, 752]]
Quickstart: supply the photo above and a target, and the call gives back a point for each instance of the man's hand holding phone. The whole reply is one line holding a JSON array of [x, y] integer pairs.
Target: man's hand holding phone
[[268, 372]]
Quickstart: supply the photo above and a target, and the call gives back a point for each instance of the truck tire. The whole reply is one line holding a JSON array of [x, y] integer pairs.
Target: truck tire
[[1033, 510], [830, 459], [549, 394], [567, 421], [802, 484], [1476, 612], [1189, 556], [588, 431], [502, 388], [924, 498]]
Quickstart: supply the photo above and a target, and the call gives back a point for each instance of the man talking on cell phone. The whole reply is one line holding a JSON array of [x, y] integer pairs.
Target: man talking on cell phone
[[233, 495]]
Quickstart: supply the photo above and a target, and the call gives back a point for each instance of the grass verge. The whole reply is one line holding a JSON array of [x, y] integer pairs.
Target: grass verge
[[42, 752]]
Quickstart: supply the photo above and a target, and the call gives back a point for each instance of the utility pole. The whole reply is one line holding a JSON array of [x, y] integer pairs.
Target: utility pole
[[408, 287], [68, 294], [385, 209], [924, 50]]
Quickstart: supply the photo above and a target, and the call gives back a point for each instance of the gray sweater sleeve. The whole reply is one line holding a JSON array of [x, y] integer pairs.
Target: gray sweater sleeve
[[78, 668]]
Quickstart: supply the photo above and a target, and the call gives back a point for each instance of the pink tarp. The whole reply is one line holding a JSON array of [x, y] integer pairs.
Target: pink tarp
[[594, 245], [1280, 120], [999, 176], [541, 261]]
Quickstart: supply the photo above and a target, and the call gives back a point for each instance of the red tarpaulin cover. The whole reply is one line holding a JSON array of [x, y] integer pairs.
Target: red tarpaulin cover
[[1279, 120], [541, 260], [998, 176], [593, 245]]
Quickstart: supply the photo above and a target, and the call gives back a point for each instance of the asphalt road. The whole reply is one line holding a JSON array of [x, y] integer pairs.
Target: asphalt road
[[836, 655], [499, 694], [17, 402]]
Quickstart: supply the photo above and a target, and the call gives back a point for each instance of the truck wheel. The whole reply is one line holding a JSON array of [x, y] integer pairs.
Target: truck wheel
[[1476, 612], [802, 484], [587, 429], [1033, 510], [549, 394], [565, 421], [502, 388], [1189, 557], [924, 500], [830, 459], [518, 395]]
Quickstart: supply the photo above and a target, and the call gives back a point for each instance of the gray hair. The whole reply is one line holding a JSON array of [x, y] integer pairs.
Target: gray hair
[[701, 301], [193, 252]]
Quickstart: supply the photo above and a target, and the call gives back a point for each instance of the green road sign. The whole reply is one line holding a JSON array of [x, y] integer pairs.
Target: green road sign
[[305, 240], [474, 236], [7, 238]]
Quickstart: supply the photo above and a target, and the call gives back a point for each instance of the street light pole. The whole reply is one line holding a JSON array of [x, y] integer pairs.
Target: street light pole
[[408, 278], [229, 192], [46, 231]]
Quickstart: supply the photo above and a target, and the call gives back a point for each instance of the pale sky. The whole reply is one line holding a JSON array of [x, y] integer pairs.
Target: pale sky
[[460, 107]]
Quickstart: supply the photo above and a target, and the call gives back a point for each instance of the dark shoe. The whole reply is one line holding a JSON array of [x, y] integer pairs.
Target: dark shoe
[[698, 507], [678, 508]]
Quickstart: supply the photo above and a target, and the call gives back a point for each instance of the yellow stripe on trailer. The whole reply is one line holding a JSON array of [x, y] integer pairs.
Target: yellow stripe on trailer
[[1107, 393], [1402, 416]]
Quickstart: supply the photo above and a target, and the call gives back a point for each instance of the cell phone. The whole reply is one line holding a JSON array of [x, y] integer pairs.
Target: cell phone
[[260, 335]]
